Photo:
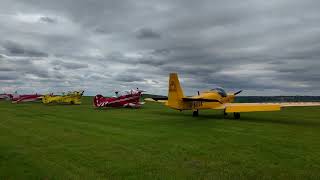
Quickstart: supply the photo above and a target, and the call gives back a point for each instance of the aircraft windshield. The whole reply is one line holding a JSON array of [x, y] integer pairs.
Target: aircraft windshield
[[221, 91]]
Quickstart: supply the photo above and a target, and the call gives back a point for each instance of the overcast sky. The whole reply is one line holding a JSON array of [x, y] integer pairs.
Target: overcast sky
[[263, 47]]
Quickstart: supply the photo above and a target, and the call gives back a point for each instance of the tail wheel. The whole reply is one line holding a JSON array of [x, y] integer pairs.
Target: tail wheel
[[236, 115]]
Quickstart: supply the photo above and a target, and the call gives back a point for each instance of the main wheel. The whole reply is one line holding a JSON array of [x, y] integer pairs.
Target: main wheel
[[224, 113], [195, 113], [236, 115]]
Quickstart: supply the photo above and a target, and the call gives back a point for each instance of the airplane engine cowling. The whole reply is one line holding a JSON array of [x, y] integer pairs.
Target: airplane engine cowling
[[45, 99]]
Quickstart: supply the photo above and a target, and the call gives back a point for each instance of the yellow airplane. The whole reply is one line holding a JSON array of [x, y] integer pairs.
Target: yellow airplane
[[215, 99], [69, 98]]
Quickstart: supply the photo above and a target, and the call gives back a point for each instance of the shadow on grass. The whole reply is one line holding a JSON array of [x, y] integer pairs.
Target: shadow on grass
[[258, 119], [189, 115], [297, 122], [62, 104], [115, 108]]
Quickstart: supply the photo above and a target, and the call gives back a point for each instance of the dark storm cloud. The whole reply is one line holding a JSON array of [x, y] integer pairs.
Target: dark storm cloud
[[48, 19], [8, 76], [38, 73], [147, 33], [69, 65], [18, 69], [14, 48], [127, 78], [253, 45], [4, 67]]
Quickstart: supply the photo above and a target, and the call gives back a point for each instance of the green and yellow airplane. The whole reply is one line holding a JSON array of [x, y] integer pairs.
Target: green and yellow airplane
[[215, 99]]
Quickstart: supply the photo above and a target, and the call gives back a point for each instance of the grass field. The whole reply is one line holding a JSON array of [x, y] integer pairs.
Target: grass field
[[78, 142]]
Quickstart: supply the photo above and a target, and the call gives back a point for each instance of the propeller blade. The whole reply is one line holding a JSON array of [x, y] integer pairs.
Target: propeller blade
[[236, 93]]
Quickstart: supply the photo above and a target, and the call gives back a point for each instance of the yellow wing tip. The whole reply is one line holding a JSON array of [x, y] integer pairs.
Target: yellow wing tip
[[252, 108]]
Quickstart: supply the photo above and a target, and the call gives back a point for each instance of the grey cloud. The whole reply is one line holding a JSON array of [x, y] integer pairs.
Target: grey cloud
[[69, 65], [6, 68], [8, 76], [38, 72], [100, 30], [148, 33], [127, 78], [18, 68], [14, 48], [48, 19], [262, 45]]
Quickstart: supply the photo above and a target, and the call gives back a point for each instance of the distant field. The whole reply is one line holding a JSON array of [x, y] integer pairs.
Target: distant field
[[79, 142]]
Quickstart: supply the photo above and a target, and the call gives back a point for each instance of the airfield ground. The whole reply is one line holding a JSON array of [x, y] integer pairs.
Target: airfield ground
[[78, 142]]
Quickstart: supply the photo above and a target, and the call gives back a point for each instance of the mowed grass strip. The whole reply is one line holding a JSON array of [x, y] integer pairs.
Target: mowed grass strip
[[79, 142]]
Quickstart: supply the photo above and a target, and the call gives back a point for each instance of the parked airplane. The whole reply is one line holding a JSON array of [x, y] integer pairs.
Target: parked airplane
[[215, 99], [16, 98], [69, 98], [6, 96], [129, 98]]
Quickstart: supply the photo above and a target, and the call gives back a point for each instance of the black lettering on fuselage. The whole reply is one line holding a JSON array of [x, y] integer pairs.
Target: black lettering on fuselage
[[196, 104]]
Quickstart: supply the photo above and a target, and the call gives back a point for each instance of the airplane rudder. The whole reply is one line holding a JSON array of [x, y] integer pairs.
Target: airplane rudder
[[175, 93], [174, 85]]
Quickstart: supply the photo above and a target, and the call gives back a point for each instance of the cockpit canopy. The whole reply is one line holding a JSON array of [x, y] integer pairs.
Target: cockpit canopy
[[220, 91]]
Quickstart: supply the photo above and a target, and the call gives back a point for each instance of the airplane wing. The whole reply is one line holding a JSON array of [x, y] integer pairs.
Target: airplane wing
[[188, 99], [160, 100], [252, 107], [299, 104]]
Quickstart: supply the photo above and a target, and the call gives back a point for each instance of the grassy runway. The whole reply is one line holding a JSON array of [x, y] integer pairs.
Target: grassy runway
[[79, 142]]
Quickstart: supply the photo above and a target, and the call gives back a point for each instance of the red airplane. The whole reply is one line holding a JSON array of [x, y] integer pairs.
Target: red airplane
[[130, 99], [16, 98], [6, 96]]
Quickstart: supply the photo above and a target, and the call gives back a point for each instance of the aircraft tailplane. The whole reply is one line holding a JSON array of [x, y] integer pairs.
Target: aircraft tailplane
[[175, 93]]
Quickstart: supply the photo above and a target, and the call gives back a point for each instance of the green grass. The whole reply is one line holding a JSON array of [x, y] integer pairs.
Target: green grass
[[79, 142]]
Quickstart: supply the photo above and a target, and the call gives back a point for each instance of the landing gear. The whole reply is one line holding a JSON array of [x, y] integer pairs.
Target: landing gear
[[224, 114], [195, 113], [236, 115]]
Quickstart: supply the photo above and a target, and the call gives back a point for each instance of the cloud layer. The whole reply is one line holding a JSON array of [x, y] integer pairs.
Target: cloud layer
[[264, 47]]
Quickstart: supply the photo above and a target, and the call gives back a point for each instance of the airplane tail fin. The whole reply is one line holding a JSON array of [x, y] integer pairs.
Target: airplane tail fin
[[175, 93]]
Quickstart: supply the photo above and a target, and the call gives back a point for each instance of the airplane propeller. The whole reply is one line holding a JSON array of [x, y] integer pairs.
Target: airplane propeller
[[236, 93]]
